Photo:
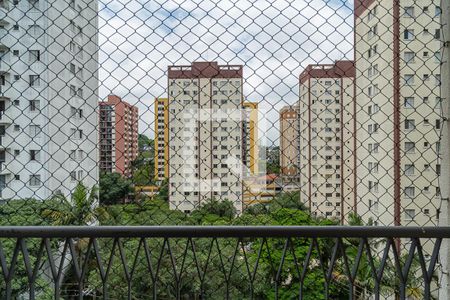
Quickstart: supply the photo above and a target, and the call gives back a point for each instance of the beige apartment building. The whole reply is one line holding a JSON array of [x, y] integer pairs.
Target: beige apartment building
[[161, 138], [397, 59], [205, 134], [327, 139], [290, 147], [250, 141]]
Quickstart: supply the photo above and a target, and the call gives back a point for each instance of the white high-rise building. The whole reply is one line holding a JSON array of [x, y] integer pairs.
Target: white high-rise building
[[397, 59], [327, 139], [48, 97], [205, 134]]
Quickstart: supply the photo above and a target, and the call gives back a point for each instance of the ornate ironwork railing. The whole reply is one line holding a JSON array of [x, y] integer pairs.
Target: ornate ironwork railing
[[215, 262]]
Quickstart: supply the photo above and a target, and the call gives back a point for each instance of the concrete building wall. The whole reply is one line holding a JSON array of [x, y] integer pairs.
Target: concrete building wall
[[161, 138], [327, 139], [397, 91], [123, 133], [290, 145], [200, 138], [57, 129]]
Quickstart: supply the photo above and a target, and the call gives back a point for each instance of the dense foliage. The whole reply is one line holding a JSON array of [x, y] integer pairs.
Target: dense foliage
[[194, 268], [114, 188]]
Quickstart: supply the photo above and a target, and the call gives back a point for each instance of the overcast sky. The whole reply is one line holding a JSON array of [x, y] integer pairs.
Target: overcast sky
[[274, 40]]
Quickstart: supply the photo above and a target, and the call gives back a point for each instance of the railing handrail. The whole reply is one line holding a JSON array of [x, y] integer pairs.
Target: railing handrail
[[223, 231]]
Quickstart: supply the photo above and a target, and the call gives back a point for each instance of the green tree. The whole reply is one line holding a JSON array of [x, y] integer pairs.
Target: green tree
[[144, 142], [81, 209], [213, 210], [287, 200], [163, 192], [144, 166], [114, 188]]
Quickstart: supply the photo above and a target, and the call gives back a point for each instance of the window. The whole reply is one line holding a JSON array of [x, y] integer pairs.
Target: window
[[408, 34], [438, 103], [77, 133], [73, 176], [438, 124], [372, 32], [35, 80], [410, 124], [35, 55], [437, 11], [35, 155], [437, 79], [16, 52], [35, 180], [410, 147], [410, 191], [35, 130], [72, 68], [375, 148], [409, 170], [437, 57], [73, 90], [409, 79], [437, 34], [35, 30], [409, 12], [409, 102], [410, 214], [34, 105], [409, 57]]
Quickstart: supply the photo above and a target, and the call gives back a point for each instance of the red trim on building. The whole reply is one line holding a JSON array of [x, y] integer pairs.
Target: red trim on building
[[207, 69], [342, 152], [342, 68], [397, 146], [361, 6], [355, 124], [126, 129]]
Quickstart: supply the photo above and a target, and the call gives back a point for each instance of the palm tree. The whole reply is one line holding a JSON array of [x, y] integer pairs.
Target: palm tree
[[81, 209]]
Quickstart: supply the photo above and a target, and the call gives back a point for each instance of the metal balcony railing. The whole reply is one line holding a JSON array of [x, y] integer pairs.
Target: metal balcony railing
[[216, 262]]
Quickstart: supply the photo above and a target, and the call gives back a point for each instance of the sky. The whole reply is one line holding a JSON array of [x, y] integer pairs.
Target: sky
[[274, 40]]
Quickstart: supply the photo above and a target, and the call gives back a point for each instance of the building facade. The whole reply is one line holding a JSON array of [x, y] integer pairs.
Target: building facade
[[290, 147], [397, 58], [48, 97], [161, 138], [205, 134], [327, 139], [118, 135], [250, 138]]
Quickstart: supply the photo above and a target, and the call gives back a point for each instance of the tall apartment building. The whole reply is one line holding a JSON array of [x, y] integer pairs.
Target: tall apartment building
[[250, 157], [161, 138], [118, 135], [290, 146], [327, 139], [205, 134], [48, 97], [397, 57]]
